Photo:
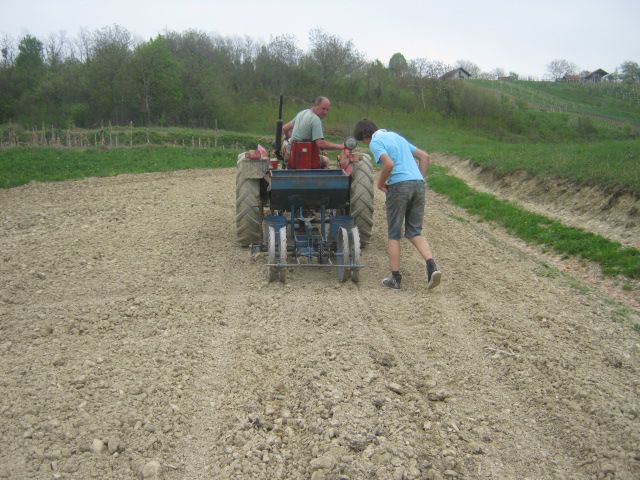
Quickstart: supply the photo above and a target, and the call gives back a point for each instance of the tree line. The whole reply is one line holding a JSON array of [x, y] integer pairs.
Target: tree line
[[197, 79], [203, 80], [189, 78]]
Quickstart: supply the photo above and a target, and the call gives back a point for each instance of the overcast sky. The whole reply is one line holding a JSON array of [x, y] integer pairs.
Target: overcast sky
[[512, 35]]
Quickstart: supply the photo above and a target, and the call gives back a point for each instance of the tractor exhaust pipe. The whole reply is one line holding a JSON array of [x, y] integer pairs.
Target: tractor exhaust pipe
[[278, 142]]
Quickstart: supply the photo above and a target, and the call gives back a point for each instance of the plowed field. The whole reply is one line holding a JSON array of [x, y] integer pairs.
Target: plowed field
[[138, 341]]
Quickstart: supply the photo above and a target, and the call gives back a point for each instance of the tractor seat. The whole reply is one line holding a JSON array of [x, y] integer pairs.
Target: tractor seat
[[304, 156]]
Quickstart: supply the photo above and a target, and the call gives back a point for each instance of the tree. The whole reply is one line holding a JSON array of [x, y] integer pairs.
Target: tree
[[560, 67], [423, 67], [29, 72], [56, 49], [29, 60], [7, 83], [275, 64], [84, 44], [398, 65], [497, 73], [107, 74], [208, 70], [284, 49], [158, 77], [7, 52], [630, 72], [376, 76], [332, 56]]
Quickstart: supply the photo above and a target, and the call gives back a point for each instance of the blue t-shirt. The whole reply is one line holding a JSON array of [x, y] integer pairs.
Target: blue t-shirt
[[400, 151]]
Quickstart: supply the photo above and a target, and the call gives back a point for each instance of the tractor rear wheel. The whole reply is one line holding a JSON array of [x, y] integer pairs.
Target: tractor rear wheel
[[249, 212], [361, 196]]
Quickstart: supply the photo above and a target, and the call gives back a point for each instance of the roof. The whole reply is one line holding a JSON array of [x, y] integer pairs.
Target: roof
[[597, 73], [455, 74]]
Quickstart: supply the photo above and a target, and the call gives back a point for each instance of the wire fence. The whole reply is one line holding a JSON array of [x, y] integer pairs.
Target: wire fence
[[12, 136]]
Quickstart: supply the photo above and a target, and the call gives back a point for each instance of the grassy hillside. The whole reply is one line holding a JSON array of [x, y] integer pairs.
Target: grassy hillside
[[503, 125], [609, 164], [618, 102]]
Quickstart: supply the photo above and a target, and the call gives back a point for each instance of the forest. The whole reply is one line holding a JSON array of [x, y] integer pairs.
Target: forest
[[192, 78]]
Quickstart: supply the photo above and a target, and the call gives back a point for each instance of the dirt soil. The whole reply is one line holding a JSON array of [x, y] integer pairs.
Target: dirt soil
[[138, 341]]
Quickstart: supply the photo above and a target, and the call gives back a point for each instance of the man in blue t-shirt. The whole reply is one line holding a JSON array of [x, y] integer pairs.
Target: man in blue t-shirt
[[402, 178]]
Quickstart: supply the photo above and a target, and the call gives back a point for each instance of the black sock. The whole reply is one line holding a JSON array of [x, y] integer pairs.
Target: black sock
[[431, 266], [396, 275]]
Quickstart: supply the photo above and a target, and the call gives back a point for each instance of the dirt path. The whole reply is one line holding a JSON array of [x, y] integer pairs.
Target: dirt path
[[138, 341]]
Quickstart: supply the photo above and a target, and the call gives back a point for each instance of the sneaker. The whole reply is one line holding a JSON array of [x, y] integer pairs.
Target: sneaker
[[433, 274], [391, 282]]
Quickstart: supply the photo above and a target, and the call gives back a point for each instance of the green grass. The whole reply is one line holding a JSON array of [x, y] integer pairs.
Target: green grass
[[22, 165], [612, 101], [613, 257], [611, 164]]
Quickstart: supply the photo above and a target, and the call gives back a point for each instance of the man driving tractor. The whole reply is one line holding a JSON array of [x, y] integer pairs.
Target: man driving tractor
[[305, 130]]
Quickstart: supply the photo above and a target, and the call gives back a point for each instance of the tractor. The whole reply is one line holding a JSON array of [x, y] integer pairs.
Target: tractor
[[301, 215]]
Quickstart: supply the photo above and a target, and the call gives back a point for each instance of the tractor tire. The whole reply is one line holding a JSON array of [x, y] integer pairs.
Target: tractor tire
[[249, 209], [361, 197]]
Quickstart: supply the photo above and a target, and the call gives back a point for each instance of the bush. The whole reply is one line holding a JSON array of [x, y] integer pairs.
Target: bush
[[584, 127]]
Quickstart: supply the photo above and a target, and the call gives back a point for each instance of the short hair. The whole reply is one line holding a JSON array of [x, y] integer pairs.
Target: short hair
[[365, 128], [318, 100]]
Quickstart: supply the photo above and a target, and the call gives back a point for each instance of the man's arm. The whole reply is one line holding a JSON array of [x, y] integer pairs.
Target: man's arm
[[423, 161], [287, 128], [385, 171], [324, 145]]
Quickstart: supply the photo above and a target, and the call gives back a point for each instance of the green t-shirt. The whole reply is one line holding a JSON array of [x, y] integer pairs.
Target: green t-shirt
[[307, 127]]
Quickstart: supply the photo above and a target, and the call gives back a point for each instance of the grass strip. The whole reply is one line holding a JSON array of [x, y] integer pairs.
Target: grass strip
[[614, 258], [22, 165]]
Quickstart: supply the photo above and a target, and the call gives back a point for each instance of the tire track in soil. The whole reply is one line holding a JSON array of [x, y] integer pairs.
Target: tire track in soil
[[463, 447]]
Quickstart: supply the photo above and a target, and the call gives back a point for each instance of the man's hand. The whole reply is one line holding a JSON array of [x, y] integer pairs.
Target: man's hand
[[385, 171]]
